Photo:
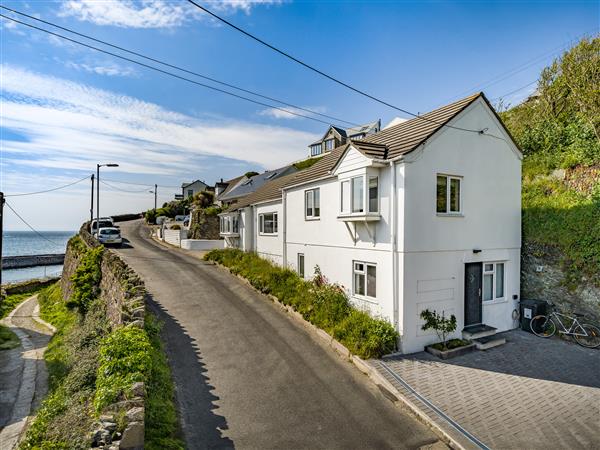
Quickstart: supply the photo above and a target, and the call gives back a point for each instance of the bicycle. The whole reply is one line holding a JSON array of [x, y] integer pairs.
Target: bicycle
[[586, 335]]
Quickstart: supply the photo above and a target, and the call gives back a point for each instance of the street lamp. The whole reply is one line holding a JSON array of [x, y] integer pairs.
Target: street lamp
[[98, 195], [155, 191]]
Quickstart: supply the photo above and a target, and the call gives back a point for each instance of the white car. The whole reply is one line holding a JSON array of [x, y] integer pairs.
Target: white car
[[110, 235]]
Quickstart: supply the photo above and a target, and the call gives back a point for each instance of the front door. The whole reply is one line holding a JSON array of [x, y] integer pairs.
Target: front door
[[473, 277]]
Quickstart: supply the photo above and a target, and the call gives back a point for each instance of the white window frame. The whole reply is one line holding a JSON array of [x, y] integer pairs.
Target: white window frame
[[310, 193], [364, 273], [261, 224], [365, 179], [301, 271], [327, 142], [494, 274], [316, 149], [449, 179]]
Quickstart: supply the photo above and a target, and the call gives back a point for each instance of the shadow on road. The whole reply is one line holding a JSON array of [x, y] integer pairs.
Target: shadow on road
[[202, 427]]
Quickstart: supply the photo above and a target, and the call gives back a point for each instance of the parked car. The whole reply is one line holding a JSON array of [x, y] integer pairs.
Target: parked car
[[186, 221], [103, 224], [108, 219], [110, 235]]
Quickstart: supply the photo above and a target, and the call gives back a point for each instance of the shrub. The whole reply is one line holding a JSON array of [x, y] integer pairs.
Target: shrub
[[175, 227], [124, 360], [324, 305], [150, 216], [438, 322], [212, 211], [86, 280]]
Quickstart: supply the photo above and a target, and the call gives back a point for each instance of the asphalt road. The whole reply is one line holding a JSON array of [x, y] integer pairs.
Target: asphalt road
[[249, 377]]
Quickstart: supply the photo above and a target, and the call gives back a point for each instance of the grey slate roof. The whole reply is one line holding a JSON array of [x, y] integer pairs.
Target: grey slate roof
[[253, 183]]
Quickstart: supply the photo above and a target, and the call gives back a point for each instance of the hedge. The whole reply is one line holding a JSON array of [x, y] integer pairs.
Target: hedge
[[324, 305]]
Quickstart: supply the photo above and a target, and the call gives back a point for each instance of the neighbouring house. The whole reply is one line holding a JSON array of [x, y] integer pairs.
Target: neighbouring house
[[191, 189], [246, 185], [336, 136], [425, 214]]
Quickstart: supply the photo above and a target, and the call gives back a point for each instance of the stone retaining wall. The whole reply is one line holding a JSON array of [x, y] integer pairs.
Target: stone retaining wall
[[28, 286], [124, 294]]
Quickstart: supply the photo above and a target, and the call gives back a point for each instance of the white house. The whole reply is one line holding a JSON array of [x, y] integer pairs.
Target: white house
[[425, 214], [191, 189]]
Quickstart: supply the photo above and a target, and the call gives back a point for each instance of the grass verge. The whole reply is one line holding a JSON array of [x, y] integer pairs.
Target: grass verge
[[10, 302], [324, 305], [8, 339]]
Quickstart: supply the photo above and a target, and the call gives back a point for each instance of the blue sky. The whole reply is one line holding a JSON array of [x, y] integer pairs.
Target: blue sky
[[64, 108]]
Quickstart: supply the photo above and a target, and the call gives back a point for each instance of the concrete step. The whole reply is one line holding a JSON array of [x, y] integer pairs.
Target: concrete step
[[486, 343], [478, 331]]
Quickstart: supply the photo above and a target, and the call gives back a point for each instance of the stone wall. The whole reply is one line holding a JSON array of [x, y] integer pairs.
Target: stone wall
[[203, 226], [25, 287], [124, 293], [543, 278]]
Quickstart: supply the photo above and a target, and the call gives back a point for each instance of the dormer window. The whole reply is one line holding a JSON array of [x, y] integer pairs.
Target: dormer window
[[315, 149], [329, 145]]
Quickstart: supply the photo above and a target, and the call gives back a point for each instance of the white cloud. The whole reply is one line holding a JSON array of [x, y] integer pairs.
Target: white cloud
[[279, 114], [72, 126], [109, 69], [148, 13]]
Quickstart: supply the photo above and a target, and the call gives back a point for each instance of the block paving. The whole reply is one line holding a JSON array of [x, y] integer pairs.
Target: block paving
[[530, 393]]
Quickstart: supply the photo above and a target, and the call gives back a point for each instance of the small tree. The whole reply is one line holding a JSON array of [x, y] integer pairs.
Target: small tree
[[442, 326]]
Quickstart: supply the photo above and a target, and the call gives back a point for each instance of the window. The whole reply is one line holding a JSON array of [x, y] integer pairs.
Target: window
[[373, 195], [301, 264], [493, 281], [235, 226], [357, 194], [190, 193], [365, 279], [315, 149], [345, 197], [357, 136], [448, 199], [268, 223], [329, 144], [312, 204]]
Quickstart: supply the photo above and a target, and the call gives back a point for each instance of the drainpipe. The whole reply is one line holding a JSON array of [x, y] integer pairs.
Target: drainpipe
[[393, 213], [284, 227]]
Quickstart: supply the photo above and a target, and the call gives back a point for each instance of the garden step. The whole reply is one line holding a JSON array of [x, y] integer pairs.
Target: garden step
[[489, 342], [478, 331]]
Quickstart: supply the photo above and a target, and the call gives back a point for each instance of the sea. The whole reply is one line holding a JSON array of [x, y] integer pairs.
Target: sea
[[19, 243]]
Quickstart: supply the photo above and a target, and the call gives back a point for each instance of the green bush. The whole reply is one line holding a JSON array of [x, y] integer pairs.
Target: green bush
[[150, 216], [86, 280], [175, 227], [124, 360], [212, 211], [324, 305]]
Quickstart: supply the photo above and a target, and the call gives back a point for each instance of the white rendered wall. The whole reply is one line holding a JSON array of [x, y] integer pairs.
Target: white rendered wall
[[269, 246], [435, 248]]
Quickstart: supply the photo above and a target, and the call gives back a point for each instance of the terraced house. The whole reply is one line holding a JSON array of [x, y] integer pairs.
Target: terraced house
[[425, 214]]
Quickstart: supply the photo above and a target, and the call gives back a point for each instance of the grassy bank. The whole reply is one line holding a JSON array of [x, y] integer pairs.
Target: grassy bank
[[324, 305], [10, 302], [92, 365]]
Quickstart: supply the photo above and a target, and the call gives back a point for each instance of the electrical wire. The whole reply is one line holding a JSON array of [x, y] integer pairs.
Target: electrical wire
[[163, 71], [125, 190], [142, 184], [49, 190], [30, 227], [516, 90], [320, 72], [173, 66]]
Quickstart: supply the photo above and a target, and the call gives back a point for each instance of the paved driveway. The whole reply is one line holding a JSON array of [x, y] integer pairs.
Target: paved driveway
[[249, 377], [530, 393]]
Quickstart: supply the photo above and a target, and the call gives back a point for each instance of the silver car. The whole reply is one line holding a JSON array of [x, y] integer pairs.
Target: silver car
[[110, 235]]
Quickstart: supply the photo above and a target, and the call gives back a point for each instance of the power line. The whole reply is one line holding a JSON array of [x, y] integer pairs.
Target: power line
[[125, 190], [516, 90], [30, 227], [172, 66], [49, 190], [163, 71], [320, 72], [142, 184]]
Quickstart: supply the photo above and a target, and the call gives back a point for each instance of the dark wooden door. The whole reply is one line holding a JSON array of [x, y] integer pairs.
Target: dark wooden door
[[473, 279]]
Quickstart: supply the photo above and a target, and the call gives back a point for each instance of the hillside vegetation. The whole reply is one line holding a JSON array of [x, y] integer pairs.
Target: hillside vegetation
[[558, 130]]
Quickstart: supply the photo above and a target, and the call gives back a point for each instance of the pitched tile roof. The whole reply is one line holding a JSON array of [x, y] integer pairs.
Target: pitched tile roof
[[255, 182]]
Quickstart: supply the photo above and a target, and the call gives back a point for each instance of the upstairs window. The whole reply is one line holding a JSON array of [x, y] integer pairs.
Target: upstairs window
[[355, 199], [448, 195], [235, 224], [493, 281], [365, 279], [267, 223], [373, 194], [329, 145], [312, 204], [315, 149], [190, 193], [357, 194]]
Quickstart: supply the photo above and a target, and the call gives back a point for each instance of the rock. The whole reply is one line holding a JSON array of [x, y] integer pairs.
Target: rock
[[110, 426], [135, 414], [101, 437], [138, 389], [133, 437], [107, 418]]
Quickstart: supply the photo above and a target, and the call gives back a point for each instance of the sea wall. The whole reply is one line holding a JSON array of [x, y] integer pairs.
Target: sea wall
[[125, 295], [543, 278], [28, 286], [21, 262]]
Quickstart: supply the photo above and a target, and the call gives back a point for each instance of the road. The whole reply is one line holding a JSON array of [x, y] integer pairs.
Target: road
[[249, 377]]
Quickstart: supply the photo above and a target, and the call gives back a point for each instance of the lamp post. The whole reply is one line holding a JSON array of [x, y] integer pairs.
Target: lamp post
[[155, 191], [98, 195]]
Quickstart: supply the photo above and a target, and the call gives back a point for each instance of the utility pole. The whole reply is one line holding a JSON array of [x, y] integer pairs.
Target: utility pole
[[98, 196], [155, 193], [1, 238], [92, 202]]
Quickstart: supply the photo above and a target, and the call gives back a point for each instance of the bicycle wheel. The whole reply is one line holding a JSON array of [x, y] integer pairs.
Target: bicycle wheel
[[543, 326], [592, 340]]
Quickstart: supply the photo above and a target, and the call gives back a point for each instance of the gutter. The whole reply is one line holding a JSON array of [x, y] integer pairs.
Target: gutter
[[393, 212]]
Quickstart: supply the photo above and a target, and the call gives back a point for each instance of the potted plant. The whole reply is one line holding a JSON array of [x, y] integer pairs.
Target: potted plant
[[443, 327]]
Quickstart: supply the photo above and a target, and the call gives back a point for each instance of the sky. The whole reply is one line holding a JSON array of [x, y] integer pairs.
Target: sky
[[64, 108]]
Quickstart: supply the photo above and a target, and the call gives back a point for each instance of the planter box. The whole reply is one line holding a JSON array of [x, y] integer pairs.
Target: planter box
[[447, 354]]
